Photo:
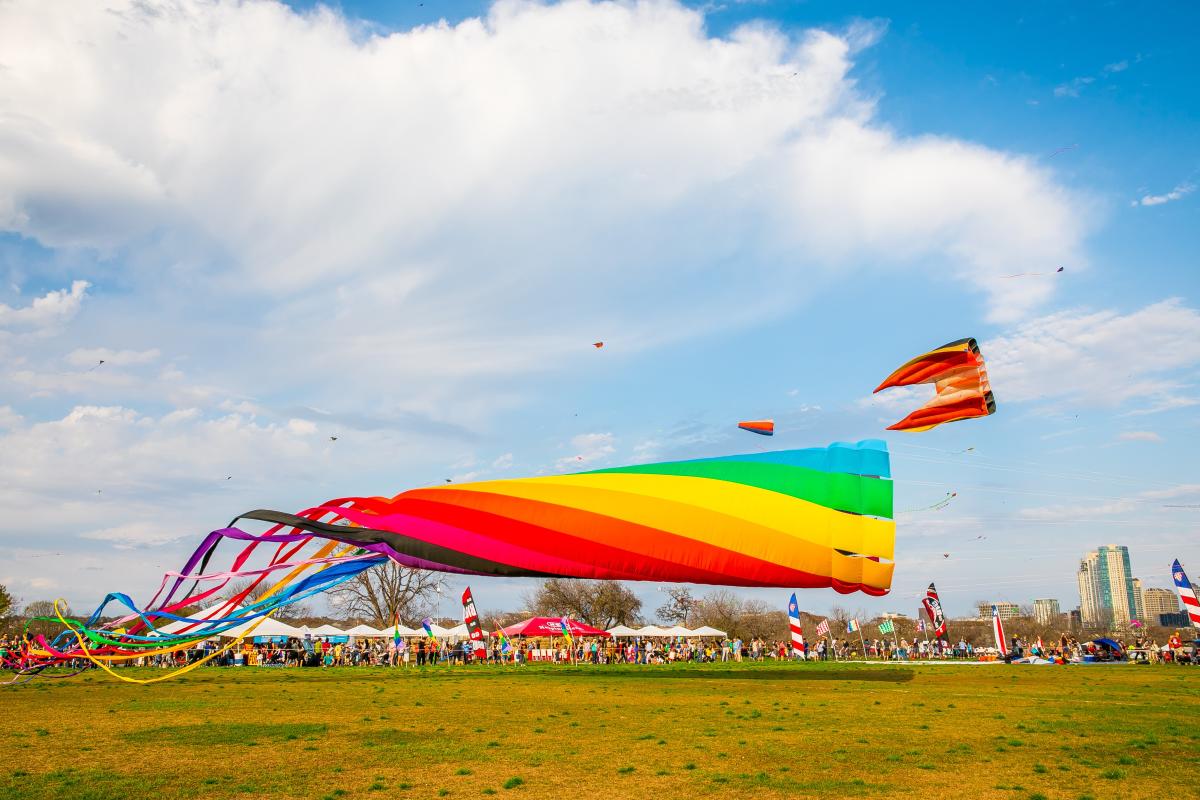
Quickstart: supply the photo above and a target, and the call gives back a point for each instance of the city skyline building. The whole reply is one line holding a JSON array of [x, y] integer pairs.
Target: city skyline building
[[1047, 611], [1158, 601], [1106, 587], [1007, 610]]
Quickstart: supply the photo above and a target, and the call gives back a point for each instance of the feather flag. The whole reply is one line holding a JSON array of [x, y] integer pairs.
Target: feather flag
[[794, 625], [474, 630], [933, 607], [998, 631], [1186, 593]]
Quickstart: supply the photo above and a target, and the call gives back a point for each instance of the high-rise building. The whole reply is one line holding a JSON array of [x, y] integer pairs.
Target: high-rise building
[[1091, 612], [1139, 610], [1046, 612], [1007, 610], [1106, 595], [1158, 601]]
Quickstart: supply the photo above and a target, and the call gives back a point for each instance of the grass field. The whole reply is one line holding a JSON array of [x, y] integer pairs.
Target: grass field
[[759, 731]]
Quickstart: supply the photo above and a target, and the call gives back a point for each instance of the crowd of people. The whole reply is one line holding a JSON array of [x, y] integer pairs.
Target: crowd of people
[[418, 652]]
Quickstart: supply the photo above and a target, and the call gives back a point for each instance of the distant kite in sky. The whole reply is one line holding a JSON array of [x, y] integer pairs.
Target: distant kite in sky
[[1063, 150], [938, 506], [763, 427], [597, 345], [333, 438], [1033, 274], [957, 372], [97, 366]]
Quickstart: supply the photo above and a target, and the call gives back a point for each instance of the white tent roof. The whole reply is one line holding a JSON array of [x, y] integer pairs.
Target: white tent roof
[[367, 630], [324, 630], [679, 630], [622, 630], [457, 630], [707, 631], [269, 627], [652, 630], [212, 610]]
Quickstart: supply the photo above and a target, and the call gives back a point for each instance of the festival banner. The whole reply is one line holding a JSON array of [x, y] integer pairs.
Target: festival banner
[[933, 607], [474, 630]]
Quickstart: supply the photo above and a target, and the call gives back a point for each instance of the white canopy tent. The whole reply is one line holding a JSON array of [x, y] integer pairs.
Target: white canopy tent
[[369, 632], [652, 631], [707, 631], [188, 627], [323, 630], [269, 627], [622, 630], [679, 630]]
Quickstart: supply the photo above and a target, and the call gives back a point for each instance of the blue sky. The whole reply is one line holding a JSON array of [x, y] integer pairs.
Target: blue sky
[[296, 223]]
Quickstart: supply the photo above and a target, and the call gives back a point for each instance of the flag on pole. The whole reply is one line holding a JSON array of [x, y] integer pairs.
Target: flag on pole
[[933, 607], [852, 626], [921, 626], [998, 630], [1186, 593], [794, 625], [396, 631], [566, 630], [823, 628], [474, 629], [504, 643], [887, 627]]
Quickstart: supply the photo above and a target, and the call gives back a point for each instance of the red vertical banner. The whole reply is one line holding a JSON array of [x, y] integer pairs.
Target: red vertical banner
[[471, 618]]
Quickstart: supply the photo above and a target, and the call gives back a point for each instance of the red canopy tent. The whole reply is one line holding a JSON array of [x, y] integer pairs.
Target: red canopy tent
[[551, 626]]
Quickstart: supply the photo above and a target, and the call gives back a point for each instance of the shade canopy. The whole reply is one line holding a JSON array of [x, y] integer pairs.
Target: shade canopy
[[551, 626], [368, 631], [679, 630], [652, 631], [324, 630], [268, 627], [622, 630], [708, 631], [221, 610]]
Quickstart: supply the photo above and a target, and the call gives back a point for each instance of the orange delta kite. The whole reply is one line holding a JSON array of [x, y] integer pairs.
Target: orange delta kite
[[957, 372], [763, 427]]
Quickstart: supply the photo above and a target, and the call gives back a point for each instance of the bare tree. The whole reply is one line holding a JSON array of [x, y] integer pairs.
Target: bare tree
[[381, 593], [678, 607], [601, 604], [48, 625], [291, 613]]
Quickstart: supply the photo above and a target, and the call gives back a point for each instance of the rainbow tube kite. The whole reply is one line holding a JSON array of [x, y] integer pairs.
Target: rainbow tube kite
[[813, 518], [958, 374]]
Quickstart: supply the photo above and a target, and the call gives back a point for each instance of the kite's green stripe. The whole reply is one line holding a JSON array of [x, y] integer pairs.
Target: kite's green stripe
[[839, 490]]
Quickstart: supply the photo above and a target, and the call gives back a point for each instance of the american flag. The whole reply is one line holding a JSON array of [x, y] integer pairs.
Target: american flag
[[920, 626], [823, 628], [794, 624], [1186, 593]]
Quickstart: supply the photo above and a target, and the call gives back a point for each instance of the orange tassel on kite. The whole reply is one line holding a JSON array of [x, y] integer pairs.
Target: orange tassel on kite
[[958, 374]]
